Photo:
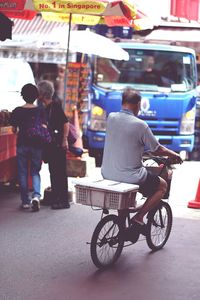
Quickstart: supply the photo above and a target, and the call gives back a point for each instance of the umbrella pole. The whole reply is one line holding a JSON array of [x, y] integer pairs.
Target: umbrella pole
[[66, 65]]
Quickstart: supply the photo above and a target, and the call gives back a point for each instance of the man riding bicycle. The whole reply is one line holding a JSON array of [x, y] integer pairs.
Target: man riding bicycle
[[127, 138]]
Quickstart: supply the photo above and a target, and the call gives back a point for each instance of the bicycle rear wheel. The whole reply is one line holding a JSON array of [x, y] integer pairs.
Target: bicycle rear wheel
[[159, 226], [107, 242]]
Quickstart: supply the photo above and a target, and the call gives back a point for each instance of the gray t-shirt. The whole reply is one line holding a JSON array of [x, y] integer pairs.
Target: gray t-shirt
[[127, 137]]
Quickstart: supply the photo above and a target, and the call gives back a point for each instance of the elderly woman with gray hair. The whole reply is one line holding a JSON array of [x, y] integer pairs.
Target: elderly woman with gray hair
[[58, 125]]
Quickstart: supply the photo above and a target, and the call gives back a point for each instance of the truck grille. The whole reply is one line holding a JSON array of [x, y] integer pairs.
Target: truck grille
[[162, 126]]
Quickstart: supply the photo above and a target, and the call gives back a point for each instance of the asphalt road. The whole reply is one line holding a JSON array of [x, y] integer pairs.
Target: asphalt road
[[45, 255]]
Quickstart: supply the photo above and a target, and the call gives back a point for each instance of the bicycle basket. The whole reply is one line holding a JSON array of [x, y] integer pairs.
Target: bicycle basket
[[105, 194]]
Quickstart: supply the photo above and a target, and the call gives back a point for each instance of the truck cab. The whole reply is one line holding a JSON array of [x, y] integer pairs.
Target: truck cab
[[166, 77]]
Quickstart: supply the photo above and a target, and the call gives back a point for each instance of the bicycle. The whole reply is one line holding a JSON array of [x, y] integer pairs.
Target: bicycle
[[114, 231]]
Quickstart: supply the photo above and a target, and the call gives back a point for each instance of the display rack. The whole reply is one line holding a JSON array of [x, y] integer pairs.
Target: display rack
[[78, 81], [8, 162]]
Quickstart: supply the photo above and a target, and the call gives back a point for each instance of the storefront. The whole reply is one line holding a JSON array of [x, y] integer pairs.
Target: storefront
[[47, 62]]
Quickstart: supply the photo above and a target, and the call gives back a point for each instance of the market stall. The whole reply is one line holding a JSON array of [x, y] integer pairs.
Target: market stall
[[8, 162]]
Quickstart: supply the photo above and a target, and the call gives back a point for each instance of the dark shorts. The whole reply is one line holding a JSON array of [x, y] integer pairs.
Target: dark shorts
[[149, 187]]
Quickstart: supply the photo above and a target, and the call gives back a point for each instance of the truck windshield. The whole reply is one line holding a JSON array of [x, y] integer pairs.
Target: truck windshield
[[153, 70]]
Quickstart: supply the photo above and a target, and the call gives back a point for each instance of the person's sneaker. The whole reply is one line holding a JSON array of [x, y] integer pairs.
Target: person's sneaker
[[35, 204], [25, 206]]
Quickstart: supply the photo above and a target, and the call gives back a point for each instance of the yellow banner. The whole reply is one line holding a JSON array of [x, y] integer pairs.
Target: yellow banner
[[76, 19], [142, 24], [70, 6]]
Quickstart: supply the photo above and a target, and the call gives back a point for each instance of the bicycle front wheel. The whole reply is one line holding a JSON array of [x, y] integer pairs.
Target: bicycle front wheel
[[159, 226], [107, 242]]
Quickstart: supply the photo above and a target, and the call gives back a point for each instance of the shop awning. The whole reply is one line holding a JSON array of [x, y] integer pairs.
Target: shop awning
[[37, 26], [25, 33], [174, 34], [189, 37]]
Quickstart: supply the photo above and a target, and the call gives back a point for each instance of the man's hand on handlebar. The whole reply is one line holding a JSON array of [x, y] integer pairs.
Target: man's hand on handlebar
[[176, 159], [173, 156]]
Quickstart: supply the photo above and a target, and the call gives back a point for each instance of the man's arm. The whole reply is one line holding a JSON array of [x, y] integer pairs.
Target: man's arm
[[163, 151], [63, 118], [151, 142]]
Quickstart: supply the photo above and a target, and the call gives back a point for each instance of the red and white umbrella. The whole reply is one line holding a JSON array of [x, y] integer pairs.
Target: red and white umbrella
[[90, 12], [108, 12], [93, 12], [19, 9]]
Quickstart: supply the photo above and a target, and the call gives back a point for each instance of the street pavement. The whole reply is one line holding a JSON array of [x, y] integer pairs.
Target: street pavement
[[45, 255]]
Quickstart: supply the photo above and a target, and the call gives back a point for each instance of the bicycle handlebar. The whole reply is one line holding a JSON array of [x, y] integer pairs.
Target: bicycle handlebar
[[165, 160]]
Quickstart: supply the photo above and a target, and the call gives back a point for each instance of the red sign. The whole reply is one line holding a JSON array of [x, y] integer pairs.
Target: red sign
[[12, 5]]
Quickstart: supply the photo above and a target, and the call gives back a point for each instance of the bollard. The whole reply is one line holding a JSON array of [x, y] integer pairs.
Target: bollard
[[195, 203], [79, 142]]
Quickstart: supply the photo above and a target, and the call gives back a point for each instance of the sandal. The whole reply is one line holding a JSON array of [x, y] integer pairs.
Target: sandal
[[139, 226]]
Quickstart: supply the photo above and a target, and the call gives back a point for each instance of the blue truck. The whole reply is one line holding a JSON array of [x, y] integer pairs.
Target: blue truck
[[166, 77]]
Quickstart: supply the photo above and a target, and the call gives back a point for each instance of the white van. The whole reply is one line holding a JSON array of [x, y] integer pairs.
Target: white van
[[14, 74]]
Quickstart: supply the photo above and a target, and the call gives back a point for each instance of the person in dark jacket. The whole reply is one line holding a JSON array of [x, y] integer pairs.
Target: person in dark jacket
[[29, 151], [59, 128]]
